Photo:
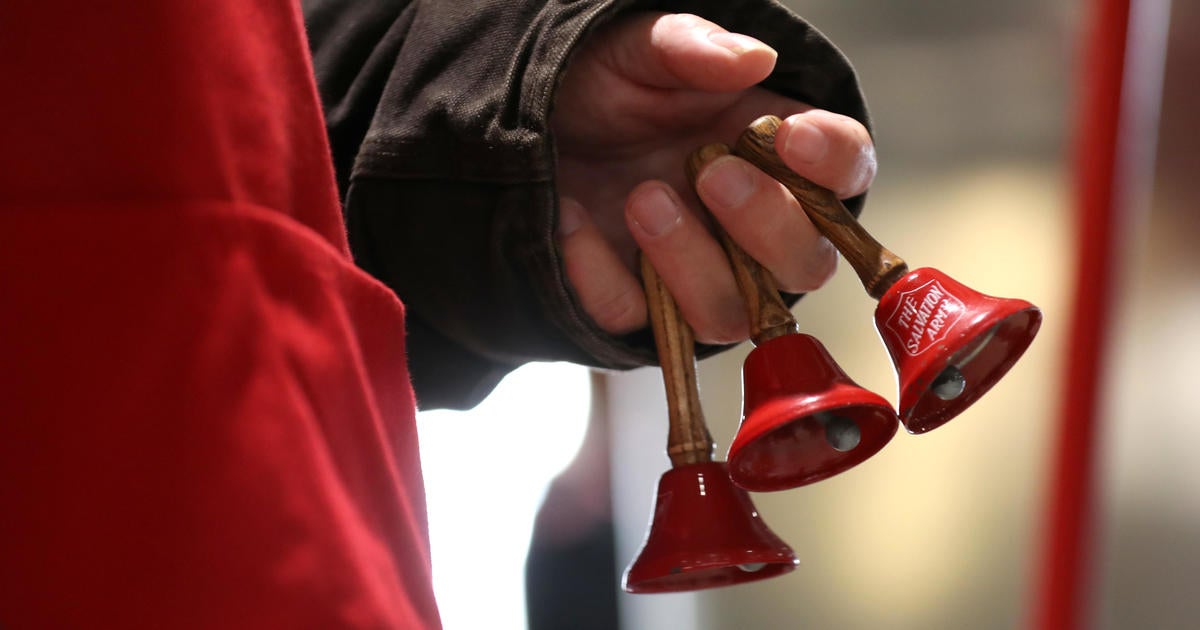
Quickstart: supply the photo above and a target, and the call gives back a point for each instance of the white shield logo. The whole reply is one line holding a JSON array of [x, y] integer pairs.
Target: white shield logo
[[922, 317]]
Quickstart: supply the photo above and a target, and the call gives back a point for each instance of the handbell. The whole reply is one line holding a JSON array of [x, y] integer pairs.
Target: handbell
[[803, 418], [705, 532], [948, 343]]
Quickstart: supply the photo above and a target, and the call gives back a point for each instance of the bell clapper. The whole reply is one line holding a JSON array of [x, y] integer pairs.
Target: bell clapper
[[951, 383], [842, 433], [752, 567]]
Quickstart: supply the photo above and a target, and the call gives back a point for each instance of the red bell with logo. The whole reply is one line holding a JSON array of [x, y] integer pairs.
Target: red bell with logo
[[705, 532], [949, 344]]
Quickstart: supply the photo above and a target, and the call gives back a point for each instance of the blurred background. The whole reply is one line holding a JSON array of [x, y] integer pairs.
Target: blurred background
[[975, 107]]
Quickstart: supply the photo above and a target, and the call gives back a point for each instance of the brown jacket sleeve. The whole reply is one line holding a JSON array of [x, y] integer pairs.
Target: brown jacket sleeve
[[438, 117]]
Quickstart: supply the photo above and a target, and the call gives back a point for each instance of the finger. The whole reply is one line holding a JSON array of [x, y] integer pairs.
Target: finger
[[832, 150], [608, 291], [690, 261], [685, 51], [767, 221]]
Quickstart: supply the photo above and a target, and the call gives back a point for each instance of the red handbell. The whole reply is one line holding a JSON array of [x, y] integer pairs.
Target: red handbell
[[803, 418], [705, 533], [950, 344]]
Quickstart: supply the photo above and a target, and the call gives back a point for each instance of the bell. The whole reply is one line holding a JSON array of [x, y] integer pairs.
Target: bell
[[949, 344], [803, 419], [705, 533]]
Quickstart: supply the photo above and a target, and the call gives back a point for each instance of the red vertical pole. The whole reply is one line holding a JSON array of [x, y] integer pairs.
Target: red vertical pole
[[1065, 568]]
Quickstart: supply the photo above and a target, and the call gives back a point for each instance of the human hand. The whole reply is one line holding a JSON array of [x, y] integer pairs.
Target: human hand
[[642, 94]]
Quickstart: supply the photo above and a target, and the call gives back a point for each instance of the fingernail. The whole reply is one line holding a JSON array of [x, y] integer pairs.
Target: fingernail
[[727, 182], [804, 142], [737, 44], [570, 217], [655, 211]]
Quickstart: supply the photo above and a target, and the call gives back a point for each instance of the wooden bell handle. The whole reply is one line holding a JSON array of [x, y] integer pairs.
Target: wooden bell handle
[[688, 439], [877, 267], [769, 316]]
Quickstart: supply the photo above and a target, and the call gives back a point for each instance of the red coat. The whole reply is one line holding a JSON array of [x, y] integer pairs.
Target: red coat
[[205, 414]]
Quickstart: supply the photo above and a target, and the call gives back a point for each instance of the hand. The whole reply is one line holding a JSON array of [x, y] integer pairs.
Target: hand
[[640, 96]]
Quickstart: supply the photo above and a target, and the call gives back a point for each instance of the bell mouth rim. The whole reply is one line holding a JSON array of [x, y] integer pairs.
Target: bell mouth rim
[[708, 574], [918, 391], [877, 421]]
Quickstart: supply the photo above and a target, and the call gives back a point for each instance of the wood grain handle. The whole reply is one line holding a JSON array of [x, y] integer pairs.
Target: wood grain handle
[[877, 267], [688, 439], [769, 316]]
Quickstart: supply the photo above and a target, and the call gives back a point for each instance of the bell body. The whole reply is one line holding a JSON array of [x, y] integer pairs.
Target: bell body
[[704, 533], [950, 344], [803, 418]]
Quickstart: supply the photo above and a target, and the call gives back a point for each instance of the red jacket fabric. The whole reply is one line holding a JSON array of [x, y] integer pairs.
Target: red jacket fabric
[[205, 415]]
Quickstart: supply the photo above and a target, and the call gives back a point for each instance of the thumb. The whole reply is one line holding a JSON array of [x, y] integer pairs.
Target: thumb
[[682, 51]]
